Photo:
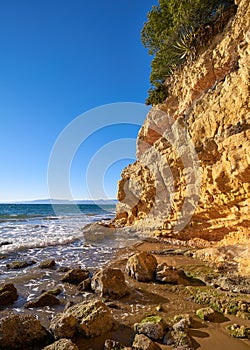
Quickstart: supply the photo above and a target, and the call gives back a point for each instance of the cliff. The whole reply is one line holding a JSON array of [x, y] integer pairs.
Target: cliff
[[192, 175]]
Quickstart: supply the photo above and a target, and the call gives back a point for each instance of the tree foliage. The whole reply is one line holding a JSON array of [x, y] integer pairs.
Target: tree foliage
[[170, 35]]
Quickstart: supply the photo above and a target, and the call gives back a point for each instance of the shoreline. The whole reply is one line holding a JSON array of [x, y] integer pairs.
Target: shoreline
[[144, 298]]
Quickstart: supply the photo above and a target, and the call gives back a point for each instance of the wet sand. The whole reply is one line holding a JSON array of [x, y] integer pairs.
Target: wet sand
[[144, 299]]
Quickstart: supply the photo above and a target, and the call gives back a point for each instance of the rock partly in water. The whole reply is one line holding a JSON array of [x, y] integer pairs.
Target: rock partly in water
[[206, 314], [142, 342], [142, 266], [238, 331], [8, 294], [45, 299], [22, 332], [110, 282], [47, 264], [20, 264], [62, 344], [153, 327], [166, 274], [90, 319], [75, 276]]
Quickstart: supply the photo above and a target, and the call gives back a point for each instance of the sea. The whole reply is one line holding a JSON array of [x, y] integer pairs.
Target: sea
[[43, 231]]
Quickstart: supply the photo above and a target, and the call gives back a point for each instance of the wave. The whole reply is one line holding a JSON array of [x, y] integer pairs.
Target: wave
[[20, 246]]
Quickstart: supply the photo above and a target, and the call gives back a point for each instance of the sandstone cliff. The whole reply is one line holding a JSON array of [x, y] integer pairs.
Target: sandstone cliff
[[192, 175]]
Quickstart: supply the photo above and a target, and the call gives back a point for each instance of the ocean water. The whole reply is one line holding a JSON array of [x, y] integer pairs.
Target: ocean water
[[42, 231]]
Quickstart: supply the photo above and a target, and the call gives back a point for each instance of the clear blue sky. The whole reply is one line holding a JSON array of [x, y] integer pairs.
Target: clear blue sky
[[59, 59]]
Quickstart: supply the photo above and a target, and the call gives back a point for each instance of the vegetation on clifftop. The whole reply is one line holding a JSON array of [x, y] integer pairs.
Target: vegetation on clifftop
[[174, 32]]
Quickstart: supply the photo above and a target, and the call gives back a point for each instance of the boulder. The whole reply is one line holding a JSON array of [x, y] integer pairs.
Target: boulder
[[47, 264], [45, 299], [206, 314], [20, 264], [62, 344], [142, 342], [185, 317], [90, 319], [8, 294], [109, 282], [75, 276], [22, 332], [166, 274], [141, 266], [153, 327]]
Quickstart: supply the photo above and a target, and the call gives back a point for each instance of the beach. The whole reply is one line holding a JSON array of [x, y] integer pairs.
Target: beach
[[166, 300]]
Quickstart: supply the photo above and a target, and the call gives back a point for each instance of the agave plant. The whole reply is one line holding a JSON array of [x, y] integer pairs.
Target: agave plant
[[185, 46]]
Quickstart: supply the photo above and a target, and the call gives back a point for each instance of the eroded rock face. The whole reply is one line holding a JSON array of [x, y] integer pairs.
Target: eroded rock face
[[90, 319], [141, 266], [22, 332], [192, 172], [110, 282]]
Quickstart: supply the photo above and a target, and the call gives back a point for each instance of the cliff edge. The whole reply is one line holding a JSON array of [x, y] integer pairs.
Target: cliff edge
[[192, 175]]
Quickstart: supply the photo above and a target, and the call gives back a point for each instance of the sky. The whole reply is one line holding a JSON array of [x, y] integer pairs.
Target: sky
[[61, 59]]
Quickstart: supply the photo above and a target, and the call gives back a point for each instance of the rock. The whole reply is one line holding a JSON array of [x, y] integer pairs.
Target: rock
[[20, 264], [142, 342], [238, 331], [141, 266], [47, 264], [8, 294], [64, 326], [153, 327], [166, 274], [109, 282], [90, 319], [22, 332], [178, 339], [62, 344], [75, 276], [213, 181], [206, 314], [181, 326], [186, 317], [46, 299], [85, 286], [5, 243]]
